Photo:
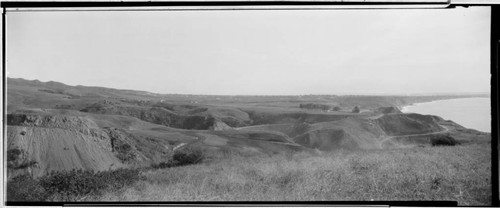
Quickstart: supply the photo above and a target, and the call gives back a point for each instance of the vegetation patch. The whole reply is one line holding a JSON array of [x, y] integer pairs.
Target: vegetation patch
[[74, 185], [122, 149], [443, 140], [186, 156], [315, 106], [17, 159], [453, 173], [25, 188], [14, 154]]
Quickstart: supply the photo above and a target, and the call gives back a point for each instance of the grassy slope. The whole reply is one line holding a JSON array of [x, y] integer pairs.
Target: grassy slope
[[459, 173]]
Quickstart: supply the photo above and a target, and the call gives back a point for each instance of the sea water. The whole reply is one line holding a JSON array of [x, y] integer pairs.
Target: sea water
[[474, 113]]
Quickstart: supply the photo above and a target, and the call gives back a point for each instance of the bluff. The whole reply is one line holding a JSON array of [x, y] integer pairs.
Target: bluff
[[39, 144]]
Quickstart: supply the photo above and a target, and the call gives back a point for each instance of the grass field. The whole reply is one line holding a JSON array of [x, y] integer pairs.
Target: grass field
[[456, 173]]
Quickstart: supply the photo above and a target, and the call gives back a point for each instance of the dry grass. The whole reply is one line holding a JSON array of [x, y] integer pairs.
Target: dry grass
[[459, 173]]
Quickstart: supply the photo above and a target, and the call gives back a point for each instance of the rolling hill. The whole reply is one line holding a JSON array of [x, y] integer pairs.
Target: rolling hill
[[52, 126]]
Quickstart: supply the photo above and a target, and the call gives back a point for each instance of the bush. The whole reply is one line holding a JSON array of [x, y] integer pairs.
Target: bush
[[356, 109], [443, 140], [25, 188], [119, 178], [187, 156], [163, 165], [125, 152], [14, 154], [71, 185], [17, 159]]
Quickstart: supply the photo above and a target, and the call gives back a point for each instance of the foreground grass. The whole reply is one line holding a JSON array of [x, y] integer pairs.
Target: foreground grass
[[457, 173]]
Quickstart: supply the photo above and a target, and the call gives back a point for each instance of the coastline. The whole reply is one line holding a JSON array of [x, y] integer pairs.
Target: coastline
[[473, 113], [404, 108]]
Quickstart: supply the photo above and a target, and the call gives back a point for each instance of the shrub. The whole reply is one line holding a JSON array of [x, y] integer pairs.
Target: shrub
[[13, 154], [443, 140], [25, 188], [75, 184], [123, 151], [162, 165], [16, 159], [356, 109], [72, 184], [119, 178], [187, 156]]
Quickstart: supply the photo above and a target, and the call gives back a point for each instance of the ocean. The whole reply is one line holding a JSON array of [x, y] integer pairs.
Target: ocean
[[474, 113]]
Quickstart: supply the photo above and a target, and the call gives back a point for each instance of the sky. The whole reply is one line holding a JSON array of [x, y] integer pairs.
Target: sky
[[256, 52]]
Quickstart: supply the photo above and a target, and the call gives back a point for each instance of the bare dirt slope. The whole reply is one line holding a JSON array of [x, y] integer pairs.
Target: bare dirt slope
[[41, 144]]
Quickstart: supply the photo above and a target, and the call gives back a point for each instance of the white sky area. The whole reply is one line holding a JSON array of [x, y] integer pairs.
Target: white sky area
[[263, 52]]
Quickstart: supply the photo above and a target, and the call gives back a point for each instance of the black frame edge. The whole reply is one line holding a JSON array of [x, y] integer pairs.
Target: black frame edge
[[495, 49], [494, 64], [247, 203]]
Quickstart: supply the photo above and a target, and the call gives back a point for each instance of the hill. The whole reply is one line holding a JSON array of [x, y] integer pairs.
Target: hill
[[52, 126]]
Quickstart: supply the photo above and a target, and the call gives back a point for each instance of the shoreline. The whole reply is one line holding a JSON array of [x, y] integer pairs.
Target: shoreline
[[404, 108], [458, 111]]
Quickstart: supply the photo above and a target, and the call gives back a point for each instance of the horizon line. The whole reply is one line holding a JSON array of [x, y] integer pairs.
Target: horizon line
[[279, 95]]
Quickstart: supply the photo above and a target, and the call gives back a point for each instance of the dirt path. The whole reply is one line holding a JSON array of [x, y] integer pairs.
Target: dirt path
[[291, 143], [387, 138], [247, 127], [200, 138], [376, 117]]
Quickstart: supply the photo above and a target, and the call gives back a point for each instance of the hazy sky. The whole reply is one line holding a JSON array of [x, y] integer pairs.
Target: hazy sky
[[256, 52]]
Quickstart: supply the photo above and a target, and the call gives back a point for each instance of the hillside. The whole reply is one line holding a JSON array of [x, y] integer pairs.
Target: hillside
[[52, 126], [39, 144]]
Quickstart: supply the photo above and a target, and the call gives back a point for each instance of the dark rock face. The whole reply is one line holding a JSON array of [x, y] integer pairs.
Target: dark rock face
[[50, 121], [164, 116], [123, 150], [388, 110]]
